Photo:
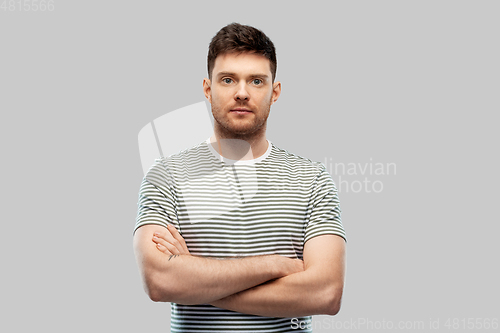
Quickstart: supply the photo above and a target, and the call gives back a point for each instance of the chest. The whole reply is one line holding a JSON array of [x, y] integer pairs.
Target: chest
[[242, 211]]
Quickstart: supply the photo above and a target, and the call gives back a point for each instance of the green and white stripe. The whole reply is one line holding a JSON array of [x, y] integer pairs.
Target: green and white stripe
[[225, 208]]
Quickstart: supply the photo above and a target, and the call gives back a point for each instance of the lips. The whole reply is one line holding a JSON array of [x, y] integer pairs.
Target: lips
[[240, 111]]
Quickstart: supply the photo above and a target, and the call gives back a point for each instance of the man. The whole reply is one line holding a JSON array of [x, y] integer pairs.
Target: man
[[238, 234]]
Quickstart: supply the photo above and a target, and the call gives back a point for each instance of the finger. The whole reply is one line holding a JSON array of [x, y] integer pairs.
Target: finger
[[178, 237], [159, 240], [175, 240], [162, 242], [167, 236], [163, 249]]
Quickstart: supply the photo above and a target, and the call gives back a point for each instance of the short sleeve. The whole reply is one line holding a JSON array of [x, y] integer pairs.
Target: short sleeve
[[156, 203], [325, 209]]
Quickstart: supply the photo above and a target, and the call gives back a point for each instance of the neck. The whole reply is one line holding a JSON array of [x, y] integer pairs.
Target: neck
[[239, 147]]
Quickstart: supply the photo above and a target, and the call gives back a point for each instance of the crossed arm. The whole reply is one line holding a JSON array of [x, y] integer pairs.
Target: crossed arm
[[273, 286]]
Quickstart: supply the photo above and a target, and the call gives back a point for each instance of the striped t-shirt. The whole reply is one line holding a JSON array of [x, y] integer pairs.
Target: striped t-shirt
[[227, 208]]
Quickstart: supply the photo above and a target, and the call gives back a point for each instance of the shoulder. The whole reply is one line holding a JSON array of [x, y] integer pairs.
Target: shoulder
[[294, 162], [165, 169]]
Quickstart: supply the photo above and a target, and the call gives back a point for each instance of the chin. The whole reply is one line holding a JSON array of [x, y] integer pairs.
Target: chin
[[239, 131]]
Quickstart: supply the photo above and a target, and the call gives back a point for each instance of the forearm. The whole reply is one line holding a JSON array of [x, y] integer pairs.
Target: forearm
[[295, 295], [188, 279]]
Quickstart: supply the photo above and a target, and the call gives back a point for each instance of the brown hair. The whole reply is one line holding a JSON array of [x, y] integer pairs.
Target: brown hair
[[240, 38]]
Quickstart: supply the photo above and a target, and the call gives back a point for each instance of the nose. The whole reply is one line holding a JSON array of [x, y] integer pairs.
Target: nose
[[242, 93]]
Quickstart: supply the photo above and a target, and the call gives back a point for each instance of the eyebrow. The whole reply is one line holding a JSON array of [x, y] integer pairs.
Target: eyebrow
[[264, 76]]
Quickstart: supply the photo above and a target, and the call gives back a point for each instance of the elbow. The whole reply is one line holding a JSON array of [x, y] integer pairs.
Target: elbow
[[156, 291], [153, 290], [162, 288], [333, 307], [333, 301], [154, 295]]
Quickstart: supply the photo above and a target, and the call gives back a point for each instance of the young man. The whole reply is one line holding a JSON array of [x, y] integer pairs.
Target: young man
[[237, 233]]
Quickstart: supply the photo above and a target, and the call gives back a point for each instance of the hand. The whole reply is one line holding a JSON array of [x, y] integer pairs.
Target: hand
[[170, 242], [290, 266]]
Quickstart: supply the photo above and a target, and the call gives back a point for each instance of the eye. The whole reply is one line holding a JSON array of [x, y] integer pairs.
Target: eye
[[227, 80], [257, 82]]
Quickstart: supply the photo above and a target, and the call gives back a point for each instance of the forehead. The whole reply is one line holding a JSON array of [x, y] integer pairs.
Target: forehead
[[242, 64]]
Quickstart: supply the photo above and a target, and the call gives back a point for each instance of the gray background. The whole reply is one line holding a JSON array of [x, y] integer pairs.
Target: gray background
[[413, 83]]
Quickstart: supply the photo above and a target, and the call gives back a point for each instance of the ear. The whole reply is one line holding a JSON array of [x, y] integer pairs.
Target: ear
[[276, 92], [207, 89]]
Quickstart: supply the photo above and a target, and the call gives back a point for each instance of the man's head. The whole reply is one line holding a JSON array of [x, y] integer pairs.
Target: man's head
[[241, 87], [237, 38]]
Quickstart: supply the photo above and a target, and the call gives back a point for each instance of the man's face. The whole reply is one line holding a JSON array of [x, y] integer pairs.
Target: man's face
[[241, 92]]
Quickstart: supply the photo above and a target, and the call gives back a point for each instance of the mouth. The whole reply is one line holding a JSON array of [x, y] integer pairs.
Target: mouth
[[241, 110]]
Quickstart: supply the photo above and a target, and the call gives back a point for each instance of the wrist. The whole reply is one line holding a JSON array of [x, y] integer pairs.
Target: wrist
[[279, 266]]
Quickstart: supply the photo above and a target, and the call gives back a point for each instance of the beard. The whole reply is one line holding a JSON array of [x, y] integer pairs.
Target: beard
[[244, 127]]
